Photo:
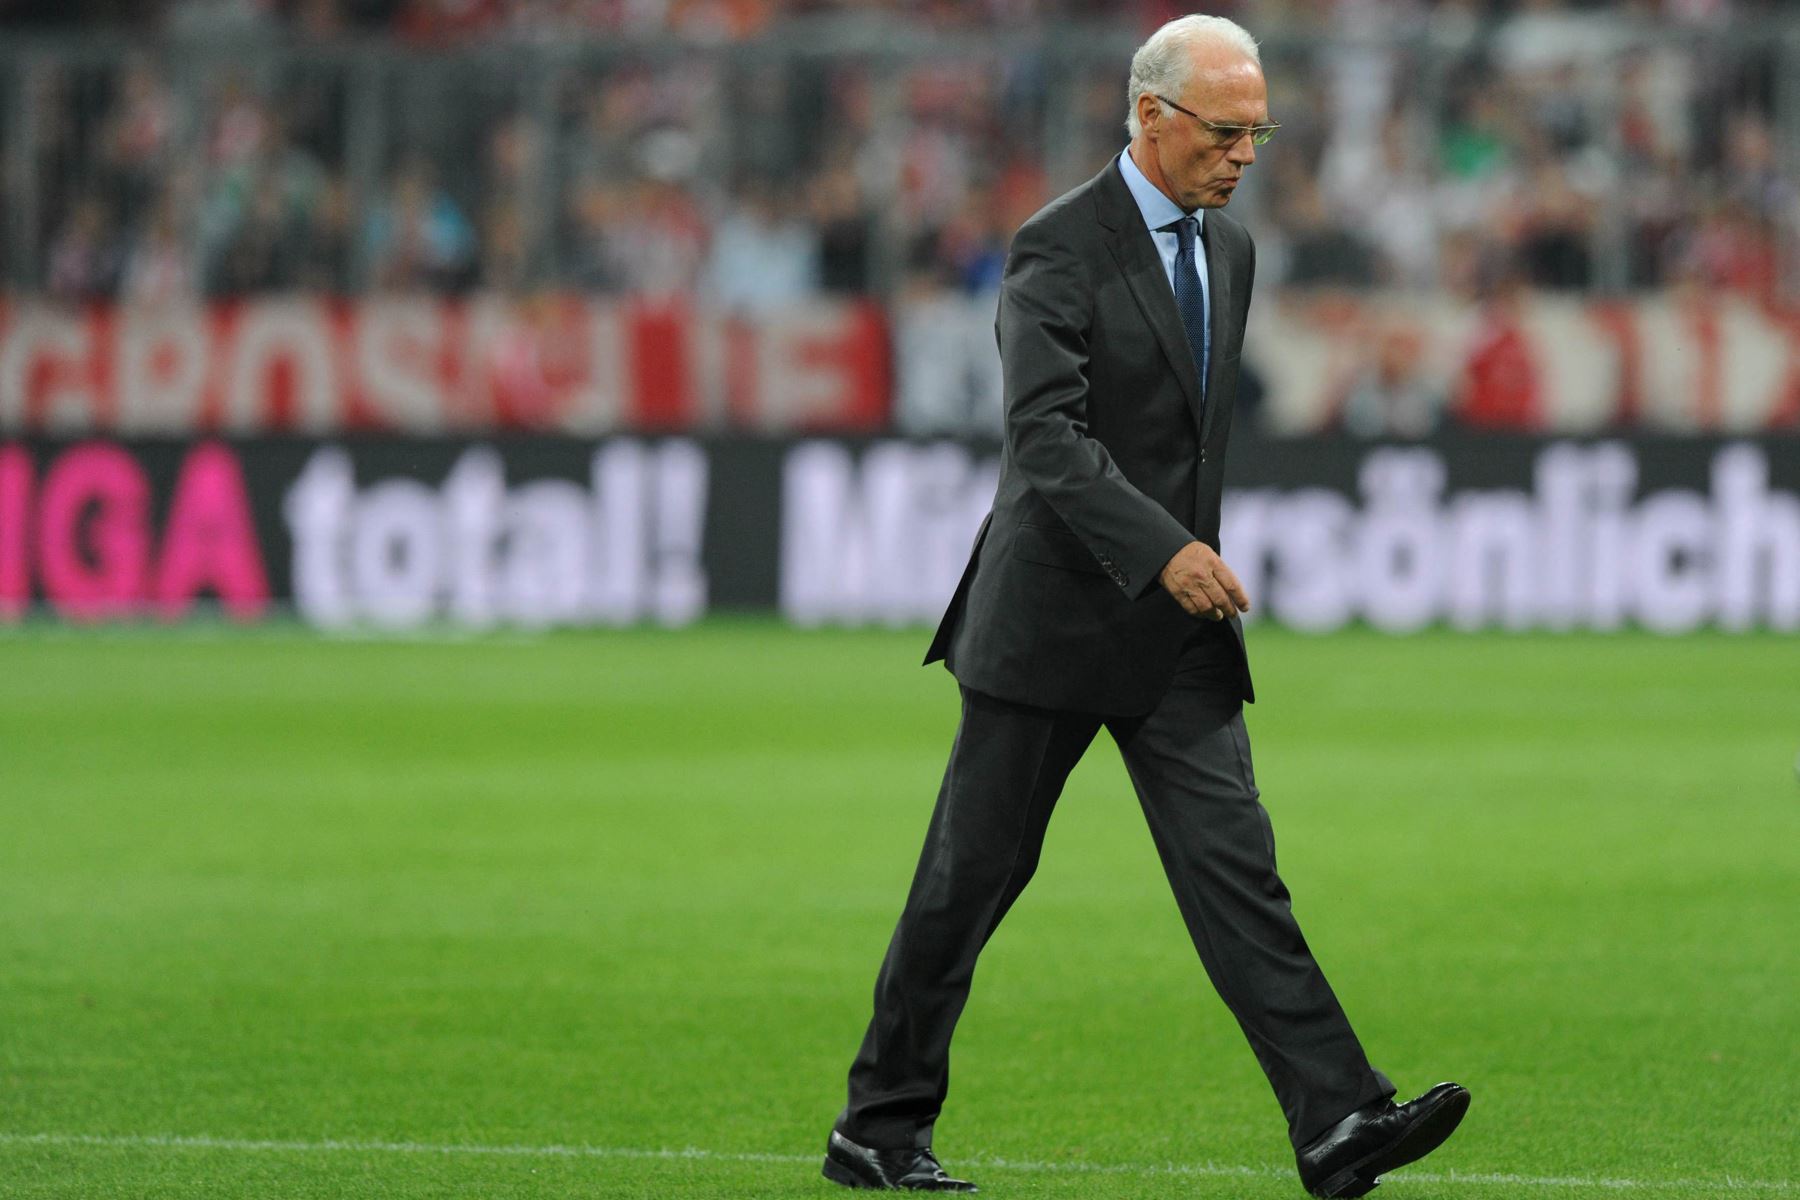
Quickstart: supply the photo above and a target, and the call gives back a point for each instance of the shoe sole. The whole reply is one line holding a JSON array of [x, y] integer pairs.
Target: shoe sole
[[838, 1173], [1427, 1134]]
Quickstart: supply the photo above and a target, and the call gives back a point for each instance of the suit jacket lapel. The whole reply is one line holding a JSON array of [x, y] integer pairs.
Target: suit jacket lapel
[[1136, 255], [1218, 302], [1142, 267]]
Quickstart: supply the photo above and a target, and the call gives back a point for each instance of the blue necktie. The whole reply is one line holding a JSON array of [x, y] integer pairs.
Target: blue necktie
[[1190, 299]]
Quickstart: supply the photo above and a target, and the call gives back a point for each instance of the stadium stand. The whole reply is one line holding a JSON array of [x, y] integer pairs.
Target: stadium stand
[[1475, 195]]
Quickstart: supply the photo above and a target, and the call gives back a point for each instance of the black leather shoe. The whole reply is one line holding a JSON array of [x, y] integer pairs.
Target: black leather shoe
[[913, 1169], [1346, 1159]]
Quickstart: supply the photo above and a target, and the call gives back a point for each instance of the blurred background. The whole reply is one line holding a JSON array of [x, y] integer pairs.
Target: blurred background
[[1537, 245]]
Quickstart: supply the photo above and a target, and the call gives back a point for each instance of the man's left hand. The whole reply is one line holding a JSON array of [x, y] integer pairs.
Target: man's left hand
[[1202, 584]]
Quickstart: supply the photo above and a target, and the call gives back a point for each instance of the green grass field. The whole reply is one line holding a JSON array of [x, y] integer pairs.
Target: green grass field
[[598, 915]]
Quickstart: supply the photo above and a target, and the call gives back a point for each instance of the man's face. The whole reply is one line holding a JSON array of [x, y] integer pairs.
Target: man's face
[[1198, 171]]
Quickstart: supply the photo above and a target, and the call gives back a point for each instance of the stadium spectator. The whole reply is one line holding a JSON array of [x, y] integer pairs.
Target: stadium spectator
[[138, 130], [764, 255], [613, 112], [261, 186], [85, 257], [1324, 248], [262, 253], [240, 124], [506, 263], [1389, 189], [159, 268], [844, 222], [1732, 248], [1499, 386], [972, 244], [328, 235], [659, 246], [1555, 228], [590, 260], [418, 238], [1391, 394]]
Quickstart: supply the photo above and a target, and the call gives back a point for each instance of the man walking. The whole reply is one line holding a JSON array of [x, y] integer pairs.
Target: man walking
[[1096, 596]]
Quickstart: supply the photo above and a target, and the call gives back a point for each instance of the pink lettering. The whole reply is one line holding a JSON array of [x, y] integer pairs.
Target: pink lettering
[[210, 541], [15, 541], [93, 537]]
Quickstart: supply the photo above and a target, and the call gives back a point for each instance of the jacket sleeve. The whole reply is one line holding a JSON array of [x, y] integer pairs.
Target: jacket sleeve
[[1046, 304]]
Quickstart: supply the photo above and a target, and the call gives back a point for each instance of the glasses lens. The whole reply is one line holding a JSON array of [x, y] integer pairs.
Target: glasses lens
[[1228, 135]]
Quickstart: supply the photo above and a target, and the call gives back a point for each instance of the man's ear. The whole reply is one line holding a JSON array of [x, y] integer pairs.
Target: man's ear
[[1149, 112]]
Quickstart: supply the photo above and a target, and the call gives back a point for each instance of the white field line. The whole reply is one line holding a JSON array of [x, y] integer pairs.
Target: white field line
[[1202, 1170]]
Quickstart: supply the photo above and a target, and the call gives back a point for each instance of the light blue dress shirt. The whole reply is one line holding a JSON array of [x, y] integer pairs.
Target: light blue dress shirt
[[1159, 211]]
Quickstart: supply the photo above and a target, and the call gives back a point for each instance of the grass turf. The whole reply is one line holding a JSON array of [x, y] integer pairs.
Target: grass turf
[[284, 916]]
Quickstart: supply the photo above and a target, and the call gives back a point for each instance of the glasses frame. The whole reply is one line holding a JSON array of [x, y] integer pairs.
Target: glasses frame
[[1228, 135]]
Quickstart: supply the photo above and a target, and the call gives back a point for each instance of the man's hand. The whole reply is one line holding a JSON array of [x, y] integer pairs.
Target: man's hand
[[1202, 583]]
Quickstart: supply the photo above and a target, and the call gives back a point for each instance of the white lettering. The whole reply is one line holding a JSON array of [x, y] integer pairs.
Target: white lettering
[[1758, 543], [1399, 556], [545, 552], [396, 552], [317, 509], [884, 539], [1313, 583]]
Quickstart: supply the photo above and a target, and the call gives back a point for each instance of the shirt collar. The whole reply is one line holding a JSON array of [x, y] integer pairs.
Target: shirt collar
[[1158, 210]]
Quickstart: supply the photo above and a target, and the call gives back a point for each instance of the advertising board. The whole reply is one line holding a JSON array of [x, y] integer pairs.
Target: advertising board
[[403, 534]]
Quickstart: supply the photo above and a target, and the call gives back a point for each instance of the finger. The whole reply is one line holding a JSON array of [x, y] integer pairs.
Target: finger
[[1216, 597], [1229, 580], [1188, 604]]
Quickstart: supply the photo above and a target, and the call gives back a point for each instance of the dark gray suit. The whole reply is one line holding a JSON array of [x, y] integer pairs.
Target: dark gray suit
[[1112, 462]]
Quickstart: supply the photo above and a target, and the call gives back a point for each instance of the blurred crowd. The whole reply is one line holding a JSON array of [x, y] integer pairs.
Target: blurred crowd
[[445, 21], [1616, 147], [1459, 145]]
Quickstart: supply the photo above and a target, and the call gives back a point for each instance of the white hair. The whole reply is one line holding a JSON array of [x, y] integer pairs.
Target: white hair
[[1165, 60]]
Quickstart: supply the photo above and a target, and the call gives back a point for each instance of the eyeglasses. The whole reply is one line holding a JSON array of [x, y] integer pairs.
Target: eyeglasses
[[1227, 135]]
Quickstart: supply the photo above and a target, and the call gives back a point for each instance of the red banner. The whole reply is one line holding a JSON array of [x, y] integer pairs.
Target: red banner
[[1374, 365], [1680, 361], [561, 364]]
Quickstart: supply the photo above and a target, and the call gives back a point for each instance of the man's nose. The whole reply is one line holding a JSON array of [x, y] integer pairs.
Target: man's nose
[[1243, 152]]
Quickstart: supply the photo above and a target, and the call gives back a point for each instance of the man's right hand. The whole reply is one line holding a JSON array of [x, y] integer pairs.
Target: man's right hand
[[1202, 583]]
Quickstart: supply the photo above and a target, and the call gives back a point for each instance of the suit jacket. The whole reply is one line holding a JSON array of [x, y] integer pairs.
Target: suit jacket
[[1112, 461]]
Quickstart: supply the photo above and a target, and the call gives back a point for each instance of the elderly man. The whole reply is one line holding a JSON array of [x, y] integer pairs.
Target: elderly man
[[1096, 596]]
